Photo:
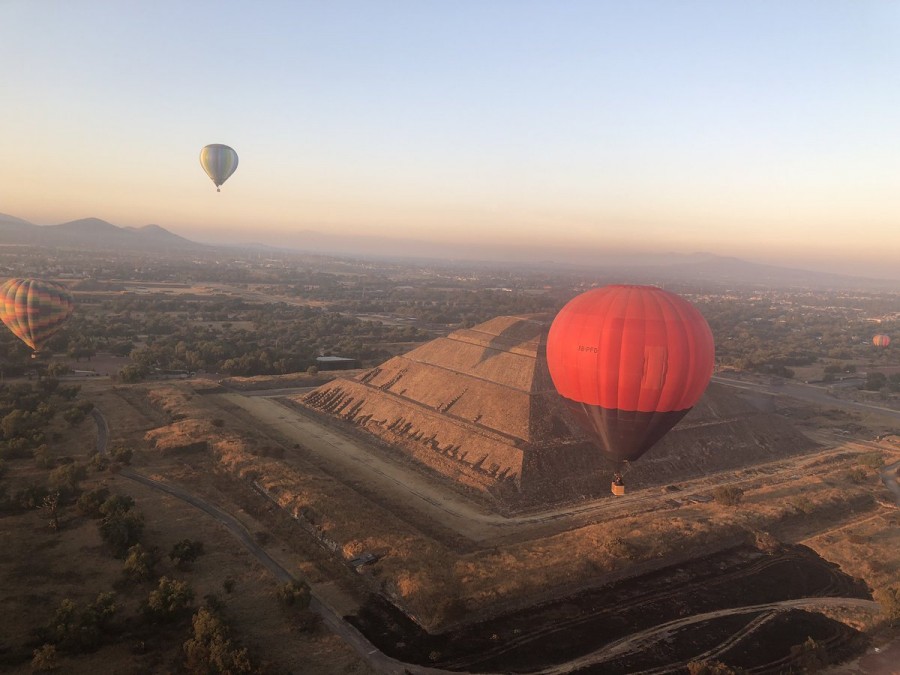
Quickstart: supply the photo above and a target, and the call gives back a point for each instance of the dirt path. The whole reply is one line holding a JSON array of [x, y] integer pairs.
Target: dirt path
[[644, 639], [355, 461], [889, 478]]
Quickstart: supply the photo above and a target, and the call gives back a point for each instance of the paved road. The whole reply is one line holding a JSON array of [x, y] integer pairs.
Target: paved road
[[807, 392]]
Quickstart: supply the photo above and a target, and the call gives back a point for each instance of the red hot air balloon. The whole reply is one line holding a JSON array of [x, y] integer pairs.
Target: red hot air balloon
[[630, 362], [881, 340]]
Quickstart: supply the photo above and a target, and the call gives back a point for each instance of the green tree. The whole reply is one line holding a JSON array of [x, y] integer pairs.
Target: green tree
[[51, 506], [44, 659], [89, 503], [66, 480], [116, 504], [122, 530], [810, 656], [15, 423], [170, 600], [140, 563], [211, 649], [77, 630], [42, 457], [186, 551]]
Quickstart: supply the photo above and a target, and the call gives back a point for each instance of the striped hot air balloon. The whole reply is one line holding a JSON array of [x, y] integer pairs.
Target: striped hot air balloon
[[34, 310], [219, 162], [881, 340], [630, 362]]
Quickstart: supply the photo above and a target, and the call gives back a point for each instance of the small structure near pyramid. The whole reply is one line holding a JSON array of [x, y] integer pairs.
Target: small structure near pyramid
[[478, 407]]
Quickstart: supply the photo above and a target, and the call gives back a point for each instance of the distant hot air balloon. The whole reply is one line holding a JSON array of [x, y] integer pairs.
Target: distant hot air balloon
[[630, 362], [881, 340], [34, 310], [219, 162]]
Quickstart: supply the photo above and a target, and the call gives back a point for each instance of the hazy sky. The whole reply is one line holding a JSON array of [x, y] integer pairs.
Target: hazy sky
[[767, 130]]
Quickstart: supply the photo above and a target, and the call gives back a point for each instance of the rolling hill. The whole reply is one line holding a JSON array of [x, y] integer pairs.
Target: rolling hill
[[93, 234]]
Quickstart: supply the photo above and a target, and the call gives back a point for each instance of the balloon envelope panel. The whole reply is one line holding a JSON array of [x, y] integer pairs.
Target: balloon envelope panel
[[630, 361], [34, 310]]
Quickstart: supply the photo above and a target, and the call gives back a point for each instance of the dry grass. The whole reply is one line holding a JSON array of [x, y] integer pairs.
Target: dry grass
[[284, 381], [440, 586], [39, 568]]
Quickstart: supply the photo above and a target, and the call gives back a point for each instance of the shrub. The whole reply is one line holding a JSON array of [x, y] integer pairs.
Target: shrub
[[121, 454], [186, 551], [728, 495], [802, 504], [810, 656], [889, 599], [873, 460], [98, 462], [43, 659], [42, 457], [856, 475], [619, 548], [294, 594], [30, 497], [74, 416]]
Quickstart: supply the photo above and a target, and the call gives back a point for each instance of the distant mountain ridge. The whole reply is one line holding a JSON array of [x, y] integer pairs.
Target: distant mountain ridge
[[94, 234], [100, 235]]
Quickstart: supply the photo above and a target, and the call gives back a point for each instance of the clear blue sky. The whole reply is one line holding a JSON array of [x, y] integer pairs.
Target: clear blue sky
[[768, 130]]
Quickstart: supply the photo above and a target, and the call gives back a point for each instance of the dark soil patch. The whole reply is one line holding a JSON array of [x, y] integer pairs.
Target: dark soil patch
[[786, 634], [680, 647], [559, 631]]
